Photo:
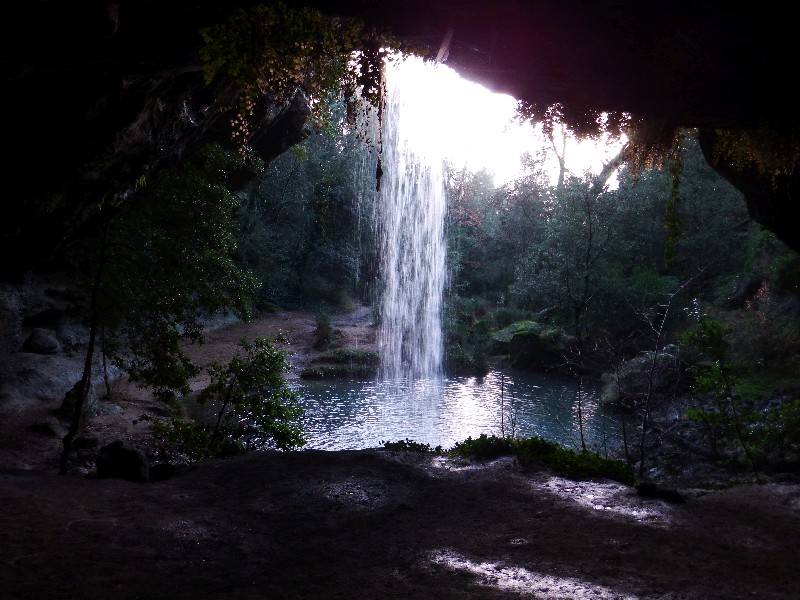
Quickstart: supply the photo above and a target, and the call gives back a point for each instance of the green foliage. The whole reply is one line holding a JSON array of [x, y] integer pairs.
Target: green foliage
[[355, 356], [714, 225], [759, 387], [533, 346], [155, 357], [466, 335], [708, 338], [257, 407], [474, 264], [273, 50], [563, 268], [770, 151], [786, 272], [672, 222], [504, 316], [715, 377], [713, 372], [776, 435], [300, 262], [762, 243], [408, 445], [324, 330], [162, 265], [596, 259], [343, 362], [520, 328], [253, 407], [771, 436], [334, 371], [717, 424], [484, 447], [729, 420], [642, 295], [706, 417], [575, 465], [180, 440]]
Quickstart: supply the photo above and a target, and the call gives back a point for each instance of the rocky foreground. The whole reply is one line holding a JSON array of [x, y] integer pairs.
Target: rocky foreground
[[356, 524], [382, 524]]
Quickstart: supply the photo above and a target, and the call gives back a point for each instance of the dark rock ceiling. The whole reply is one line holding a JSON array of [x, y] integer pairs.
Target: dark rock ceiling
[[693, 63], [96, 93]]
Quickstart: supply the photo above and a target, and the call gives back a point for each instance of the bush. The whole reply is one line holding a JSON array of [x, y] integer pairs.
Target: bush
[[575, 465], [466, 336], [352, 356], [324, 331], [343, 362], [505, 316], [408, 445], [777, 436], [253, 409]]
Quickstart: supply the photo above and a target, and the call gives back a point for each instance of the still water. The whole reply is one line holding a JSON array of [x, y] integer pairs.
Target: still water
[[349, 415]]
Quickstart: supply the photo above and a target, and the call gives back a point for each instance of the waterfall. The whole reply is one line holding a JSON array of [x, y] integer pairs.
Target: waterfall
[[411, 216]]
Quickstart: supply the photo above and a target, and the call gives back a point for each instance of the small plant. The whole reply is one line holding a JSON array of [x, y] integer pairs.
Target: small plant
[[484, 447], [324, 330], [354, 356], [575, 465], [777, 435], [342, 363], [716, 377], [408, 445], [713, 422], [254, 409]]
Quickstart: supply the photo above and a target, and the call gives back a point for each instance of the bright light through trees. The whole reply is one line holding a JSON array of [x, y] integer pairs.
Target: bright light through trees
[[476, 128]]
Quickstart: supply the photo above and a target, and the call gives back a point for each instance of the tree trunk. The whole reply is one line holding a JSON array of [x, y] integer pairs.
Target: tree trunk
[[86, 379]]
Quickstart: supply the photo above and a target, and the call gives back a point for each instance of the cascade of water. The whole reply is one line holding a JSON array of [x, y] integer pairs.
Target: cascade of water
[[411, 213]]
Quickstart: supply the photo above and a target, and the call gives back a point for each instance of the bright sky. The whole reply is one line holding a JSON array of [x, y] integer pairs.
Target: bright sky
[[476, 128]]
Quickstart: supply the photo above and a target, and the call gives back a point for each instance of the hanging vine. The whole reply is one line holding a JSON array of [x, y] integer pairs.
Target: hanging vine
[[770, 151], [672, 222], [271, 51]]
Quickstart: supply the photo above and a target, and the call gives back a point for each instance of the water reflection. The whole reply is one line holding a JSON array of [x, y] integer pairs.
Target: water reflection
[[346, 415]]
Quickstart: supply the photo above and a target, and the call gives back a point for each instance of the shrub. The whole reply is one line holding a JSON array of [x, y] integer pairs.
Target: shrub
[[353, 356], [324, 331], [777, 435], [505, 316], [253, 407], [408, 445], [575, 465], [343, 362]]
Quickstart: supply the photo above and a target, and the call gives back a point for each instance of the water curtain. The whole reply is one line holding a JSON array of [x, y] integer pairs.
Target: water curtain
[[411, 216]]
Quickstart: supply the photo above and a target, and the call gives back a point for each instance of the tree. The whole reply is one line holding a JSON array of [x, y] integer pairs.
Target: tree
[[597, 257], [306, 222], [252, 407], [156, 270], [471, 223], [562, 270]]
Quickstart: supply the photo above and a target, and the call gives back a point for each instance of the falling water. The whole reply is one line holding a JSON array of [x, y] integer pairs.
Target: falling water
[[411, 212]]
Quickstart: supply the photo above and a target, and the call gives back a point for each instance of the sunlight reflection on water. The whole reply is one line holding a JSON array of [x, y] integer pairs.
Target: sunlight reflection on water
[[349, 415]]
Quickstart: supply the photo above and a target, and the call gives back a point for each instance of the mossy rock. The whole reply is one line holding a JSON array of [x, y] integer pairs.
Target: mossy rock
[[519, 328], [328, 371], [350, 356], [343, 363], [532, 346]]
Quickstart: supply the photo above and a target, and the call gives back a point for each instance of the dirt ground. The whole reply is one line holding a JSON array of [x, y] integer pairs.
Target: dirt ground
[[356, 524]]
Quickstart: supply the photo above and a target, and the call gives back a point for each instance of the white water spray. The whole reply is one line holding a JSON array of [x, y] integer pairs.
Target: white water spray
[[411, 213]]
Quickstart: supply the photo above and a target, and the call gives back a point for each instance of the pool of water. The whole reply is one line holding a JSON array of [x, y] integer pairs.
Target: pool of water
[[351, 414]]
